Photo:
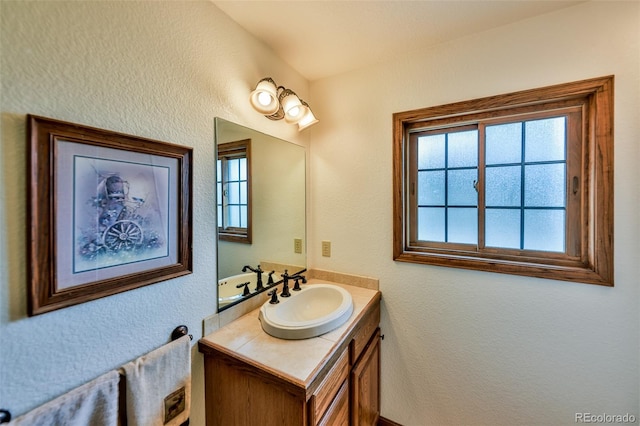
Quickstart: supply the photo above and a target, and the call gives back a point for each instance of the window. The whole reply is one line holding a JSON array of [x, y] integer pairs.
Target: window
[[234, 191], [519, 183]]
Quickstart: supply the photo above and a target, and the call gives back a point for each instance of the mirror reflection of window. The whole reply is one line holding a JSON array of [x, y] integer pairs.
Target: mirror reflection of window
[[234, 191], [277, 215]]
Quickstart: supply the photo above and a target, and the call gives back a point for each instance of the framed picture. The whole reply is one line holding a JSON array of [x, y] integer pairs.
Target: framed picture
[[107, 213]]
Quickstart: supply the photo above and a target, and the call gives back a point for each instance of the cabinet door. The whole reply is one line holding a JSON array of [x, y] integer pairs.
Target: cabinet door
[[365, 385]]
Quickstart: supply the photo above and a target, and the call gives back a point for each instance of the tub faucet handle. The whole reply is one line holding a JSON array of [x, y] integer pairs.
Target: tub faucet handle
[[258, 272], [246, 291], [270, 280]]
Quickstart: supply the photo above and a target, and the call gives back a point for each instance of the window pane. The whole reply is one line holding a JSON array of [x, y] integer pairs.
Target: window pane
[[502, 186], [463, 225], [502, 228], [504, 143], [544, 185], [219, 216], [460, 187], [219, 193], [218, 170], [243, 192], [234, 216], [233, 193], [430, 224], [463, 149], [243, 216], [544, 230], [431, 189], [233, 169], [544, 140], [431, 152], [242, 164]]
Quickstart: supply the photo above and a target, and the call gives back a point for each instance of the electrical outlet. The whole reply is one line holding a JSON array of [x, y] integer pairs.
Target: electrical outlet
[[297, 245], [326, 248]]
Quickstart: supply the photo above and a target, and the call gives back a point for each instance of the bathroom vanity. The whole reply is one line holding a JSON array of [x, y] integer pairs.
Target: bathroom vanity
[[252, 378]]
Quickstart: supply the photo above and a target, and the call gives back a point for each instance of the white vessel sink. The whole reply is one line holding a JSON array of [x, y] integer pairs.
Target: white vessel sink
[[310, 312]]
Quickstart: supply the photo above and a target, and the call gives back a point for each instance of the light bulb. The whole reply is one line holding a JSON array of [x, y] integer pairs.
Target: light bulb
[[292, 107], [264, 98]]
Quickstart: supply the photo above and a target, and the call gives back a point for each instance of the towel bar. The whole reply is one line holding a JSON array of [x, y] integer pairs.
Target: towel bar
[[178, 332]]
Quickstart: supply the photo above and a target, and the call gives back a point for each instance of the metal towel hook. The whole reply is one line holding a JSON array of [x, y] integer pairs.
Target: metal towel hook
[[179, 331]]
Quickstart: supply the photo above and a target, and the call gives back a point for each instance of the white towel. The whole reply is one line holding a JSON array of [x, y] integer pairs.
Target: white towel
[[94, 403], [159, 385]]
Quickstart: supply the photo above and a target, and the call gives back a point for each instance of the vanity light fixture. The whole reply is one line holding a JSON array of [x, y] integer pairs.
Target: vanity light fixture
[[277, 102]]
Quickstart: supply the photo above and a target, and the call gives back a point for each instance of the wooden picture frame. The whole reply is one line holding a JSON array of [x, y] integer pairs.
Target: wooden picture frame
[[106, 213]]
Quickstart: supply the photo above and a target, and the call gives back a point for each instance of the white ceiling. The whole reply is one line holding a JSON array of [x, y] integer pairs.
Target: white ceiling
[[322, 38]]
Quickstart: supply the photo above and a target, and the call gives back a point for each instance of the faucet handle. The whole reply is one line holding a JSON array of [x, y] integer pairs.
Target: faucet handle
[[297, 277], [296, 285], [274, 296], [270, 280]]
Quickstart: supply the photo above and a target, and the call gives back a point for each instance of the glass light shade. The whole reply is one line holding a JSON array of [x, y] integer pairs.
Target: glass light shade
[[264, 98], [293, 109], [308, 120]]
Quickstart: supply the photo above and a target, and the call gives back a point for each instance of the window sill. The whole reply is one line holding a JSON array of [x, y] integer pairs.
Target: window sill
[[577, 272]]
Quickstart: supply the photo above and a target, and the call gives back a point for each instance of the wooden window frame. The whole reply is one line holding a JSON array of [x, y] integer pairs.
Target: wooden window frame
[[590, 258], [238, 149]]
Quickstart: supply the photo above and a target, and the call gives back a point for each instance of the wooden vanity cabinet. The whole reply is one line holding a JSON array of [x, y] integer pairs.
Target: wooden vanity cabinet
[[345, 391]]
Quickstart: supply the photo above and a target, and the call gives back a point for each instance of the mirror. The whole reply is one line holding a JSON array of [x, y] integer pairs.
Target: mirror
[[260, 209]]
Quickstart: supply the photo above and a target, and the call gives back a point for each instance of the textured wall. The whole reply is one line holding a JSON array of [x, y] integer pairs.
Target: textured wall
[[161, 70], [468, 347], [461, 346]]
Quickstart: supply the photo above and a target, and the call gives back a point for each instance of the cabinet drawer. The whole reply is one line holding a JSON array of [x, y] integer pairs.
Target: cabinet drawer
[[338, 413], [324, 395], [362, 336]]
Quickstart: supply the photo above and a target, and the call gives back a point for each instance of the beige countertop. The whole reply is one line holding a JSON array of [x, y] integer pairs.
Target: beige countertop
[[297, 361]]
